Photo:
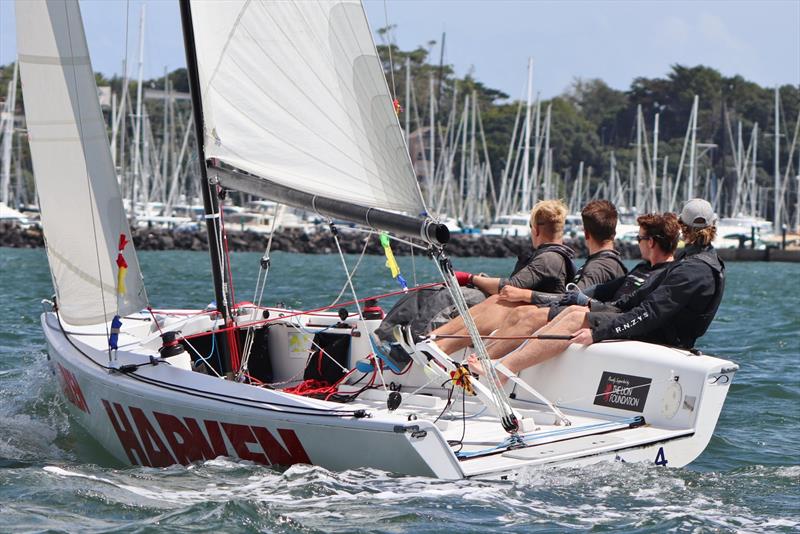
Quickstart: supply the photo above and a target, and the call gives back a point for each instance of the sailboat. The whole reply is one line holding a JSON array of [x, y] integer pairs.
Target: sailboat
[[291, 104]]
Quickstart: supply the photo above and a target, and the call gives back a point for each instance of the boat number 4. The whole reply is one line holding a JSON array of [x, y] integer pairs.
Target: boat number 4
[[660, 458]]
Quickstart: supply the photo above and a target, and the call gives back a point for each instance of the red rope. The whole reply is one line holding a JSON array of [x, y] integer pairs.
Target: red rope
[[309, 387], [230, 325]]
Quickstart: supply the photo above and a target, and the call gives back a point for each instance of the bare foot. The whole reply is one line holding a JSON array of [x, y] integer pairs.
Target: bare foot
[[476, 368]]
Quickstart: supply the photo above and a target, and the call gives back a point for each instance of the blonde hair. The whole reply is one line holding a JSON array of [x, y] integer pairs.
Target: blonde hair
[[550, 216], [698, 236]]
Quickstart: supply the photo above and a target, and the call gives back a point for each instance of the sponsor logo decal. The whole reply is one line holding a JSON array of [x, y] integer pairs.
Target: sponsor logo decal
[[626, 392], [71, 388], [161, 439]]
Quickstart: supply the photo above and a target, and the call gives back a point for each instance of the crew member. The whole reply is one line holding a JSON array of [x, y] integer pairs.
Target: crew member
[[547, 269], [658, 239], [674, 307], [602, 265]]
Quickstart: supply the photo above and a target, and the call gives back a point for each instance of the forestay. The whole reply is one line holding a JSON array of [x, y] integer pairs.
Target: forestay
[[294, 92], [82, 212]]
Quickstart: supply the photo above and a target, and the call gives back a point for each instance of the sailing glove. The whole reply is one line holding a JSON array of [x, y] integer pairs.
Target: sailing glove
[[576, 297]]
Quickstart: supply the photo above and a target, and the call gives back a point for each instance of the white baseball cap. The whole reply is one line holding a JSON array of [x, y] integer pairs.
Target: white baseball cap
[[698, 213]]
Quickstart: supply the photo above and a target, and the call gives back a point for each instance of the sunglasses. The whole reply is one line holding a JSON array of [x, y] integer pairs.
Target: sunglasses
[[640, 238]]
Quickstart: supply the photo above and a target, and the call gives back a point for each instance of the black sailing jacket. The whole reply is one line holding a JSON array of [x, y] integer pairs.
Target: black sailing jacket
[[675, 307]]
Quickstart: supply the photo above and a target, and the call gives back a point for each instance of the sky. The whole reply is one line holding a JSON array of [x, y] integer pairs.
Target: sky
[[616, 41]]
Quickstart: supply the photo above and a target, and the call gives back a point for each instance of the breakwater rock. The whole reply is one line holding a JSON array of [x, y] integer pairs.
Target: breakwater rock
[[296, 240]]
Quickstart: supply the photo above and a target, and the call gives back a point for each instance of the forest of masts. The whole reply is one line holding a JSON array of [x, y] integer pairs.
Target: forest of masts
[[465, 172]]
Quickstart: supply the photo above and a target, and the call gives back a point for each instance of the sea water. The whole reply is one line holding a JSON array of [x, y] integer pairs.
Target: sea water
[[54, 477]]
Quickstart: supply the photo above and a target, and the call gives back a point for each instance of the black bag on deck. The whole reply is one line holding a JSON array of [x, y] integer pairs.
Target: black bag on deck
[[424, 310], [320, 366]]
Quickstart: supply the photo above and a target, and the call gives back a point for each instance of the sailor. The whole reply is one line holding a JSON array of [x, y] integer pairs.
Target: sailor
[[602, 265], [674, 307], [658, 239], [514, 300], [548, 268]]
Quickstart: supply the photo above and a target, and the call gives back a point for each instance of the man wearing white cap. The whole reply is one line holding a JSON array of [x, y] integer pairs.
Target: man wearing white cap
[[679, 308], [673, 308]]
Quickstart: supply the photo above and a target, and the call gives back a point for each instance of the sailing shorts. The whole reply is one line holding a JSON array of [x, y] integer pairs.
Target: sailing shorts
[[555, 309], [601, 319]]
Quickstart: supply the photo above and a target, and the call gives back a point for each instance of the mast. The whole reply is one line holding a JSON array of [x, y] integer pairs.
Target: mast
[[526, 154], [753, 174], [777, 207], [693, 151], [654, 182], [210, 200], [8, 136], [548, 179], [537, 145], [137, 133]]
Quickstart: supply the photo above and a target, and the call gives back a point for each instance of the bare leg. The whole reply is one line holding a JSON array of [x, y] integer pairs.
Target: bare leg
[[539, 350], [488, 315], [457, 324], [521, 321]]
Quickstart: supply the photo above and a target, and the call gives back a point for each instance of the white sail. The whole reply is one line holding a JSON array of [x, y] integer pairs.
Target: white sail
[[294, 92], [82, 212]]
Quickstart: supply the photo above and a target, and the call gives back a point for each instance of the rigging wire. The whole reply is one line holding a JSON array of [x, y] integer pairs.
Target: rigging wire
[[389, 32], [508, 418], [353, 273], [258, 294], [335, 233]]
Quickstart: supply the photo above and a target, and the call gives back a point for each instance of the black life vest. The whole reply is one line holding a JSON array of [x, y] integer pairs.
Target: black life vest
[[613, 254], [565, 252], [710, 257]]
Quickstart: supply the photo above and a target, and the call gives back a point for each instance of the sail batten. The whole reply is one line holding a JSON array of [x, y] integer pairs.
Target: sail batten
[[294, 92], [82, 214]]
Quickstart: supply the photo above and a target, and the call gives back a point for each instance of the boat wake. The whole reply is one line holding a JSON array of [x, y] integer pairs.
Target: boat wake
[[239, 496]]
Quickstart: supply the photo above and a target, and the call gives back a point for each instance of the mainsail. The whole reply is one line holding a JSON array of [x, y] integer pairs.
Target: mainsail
[[294, 93], [82, 212]]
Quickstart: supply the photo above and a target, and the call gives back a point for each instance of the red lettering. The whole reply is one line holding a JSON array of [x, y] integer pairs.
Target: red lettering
[[294, 452], [72, 390], [214, 435], [127, 437], [187, 441], [156, 451], [240, 436]]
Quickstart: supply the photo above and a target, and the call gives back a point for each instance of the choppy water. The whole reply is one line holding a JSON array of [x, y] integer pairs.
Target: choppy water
[[54, 478]]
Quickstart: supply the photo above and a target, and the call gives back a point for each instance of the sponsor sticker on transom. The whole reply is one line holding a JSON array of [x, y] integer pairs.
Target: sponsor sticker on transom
[[626, 392]]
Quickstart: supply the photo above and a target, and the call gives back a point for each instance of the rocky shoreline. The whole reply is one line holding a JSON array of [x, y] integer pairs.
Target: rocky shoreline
[[298, 241]]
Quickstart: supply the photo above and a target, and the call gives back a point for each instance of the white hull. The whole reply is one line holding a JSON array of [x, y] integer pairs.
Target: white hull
[[165, 414]]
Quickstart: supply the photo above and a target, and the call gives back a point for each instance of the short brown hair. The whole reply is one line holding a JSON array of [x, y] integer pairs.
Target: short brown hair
[[550, 215], [663, 228], [698, 236], [600, 220]]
